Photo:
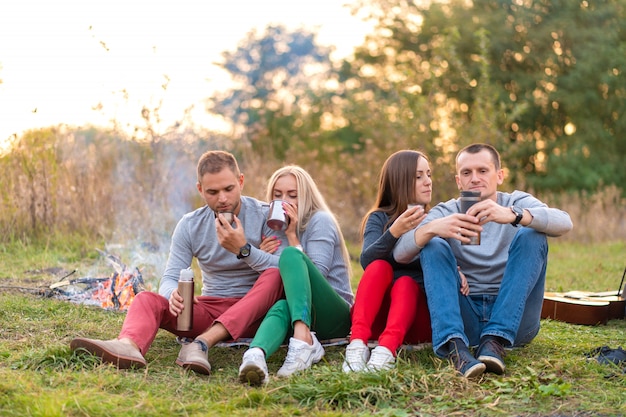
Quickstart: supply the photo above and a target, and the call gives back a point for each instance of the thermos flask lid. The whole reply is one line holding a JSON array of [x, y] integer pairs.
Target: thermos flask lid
[[186, 274]]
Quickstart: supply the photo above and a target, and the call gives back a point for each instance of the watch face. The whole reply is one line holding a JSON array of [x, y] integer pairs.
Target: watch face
[[244, 251]]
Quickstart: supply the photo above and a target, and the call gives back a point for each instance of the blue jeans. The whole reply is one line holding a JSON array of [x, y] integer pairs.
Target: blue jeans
[[514, 314]]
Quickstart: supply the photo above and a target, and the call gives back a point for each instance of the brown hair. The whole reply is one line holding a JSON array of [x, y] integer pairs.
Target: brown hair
[[212, 162], [396, 185], [478, 147]]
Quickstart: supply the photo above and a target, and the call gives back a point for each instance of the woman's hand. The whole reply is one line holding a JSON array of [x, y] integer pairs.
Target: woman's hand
[[465, 290], [292, 229], [270, 244], [408, 220]]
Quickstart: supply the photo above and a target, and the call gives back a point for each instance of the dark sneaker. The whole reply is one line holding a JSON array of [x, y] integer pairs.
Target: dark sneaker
[[491, 353], [194, 356], [120, 354], [462, 359]]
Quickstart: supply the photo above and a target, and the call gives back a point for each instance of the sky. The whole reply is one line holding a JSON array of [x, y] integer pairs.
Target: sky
[[79, 62]]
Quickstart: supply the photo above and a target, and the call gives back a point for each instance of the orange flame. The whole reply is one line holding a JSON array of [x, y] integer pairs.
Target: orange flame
[[119, 291]]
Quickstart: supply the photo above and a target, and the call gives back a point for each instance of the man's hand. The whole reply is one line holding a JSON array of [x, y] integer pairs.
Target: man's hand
[[176, 302], [230, 238], [457, 226], [490, 211]]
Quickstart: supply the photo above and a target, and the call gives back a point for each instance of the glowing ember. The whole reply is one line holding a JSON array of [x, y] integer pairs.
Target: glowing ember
[[113, 293]]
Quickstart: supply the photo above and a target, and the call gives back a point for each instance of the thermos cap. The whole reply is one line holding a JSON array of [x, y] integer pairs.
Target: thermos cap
[[186, 274], [470, 193]]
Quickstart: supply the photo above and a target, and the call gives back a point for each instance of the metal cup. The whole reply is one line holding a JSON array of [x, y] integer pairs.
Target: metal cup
[[228, 216], [467, 200], [277, 219]]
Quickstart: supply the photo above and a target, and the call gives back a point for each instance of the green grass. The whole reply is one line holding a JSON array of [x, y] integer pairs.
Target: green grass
[[40, 376]]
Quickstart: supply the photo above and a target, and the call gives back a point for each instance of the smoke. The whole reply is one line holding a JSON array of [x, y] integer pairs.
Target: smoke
[[158, 187]]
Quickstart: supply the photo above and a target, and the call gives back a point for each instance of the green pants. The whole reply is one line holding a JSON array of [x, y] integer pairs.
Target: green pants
[[309, 298]]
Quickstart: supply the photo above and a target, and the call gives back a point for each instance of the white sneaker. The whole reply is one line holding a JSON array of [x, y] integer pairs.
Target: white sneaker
[[381, 359], [301, 356], [357, 355], [253, 369]]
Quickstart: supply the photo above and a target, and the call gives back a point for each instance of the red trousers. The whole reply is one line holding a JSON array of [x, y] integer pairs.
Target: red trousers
[[392, 312], [150, 312]]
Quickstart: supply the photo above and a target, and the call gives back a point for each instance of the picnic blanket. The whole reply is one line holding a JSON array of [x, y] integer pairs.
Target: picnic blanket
[[341, 341]]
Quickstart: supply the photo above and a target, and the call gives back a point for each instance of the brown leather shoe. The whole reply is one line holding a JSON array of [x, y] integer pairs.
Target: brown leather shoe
[[120, 354], [193, 356]]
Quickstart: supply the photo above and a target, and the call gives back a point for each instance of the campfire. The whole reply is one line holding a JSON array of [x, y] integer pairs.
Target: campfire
[[115, 292]]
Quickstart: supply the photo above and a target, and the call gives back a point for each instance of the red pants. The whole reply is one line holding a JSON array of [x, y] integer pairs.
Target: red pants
[[393, 312], [150, 312]]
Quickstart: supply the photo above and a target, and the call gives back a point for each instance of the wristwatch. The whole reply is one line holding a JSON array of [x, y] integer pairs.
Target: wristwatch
[[244, 251], [519, 214]]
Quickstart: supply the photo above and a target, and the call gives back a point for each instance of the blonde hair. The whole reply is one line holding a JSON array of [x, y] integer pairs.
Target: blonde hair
[[310, 200]]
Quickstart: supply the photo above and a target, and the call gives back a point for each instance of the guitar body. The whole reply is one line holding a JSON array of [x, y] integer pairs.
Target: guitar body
[[617, 308], [617, 303], [569, 310], [584, 307]]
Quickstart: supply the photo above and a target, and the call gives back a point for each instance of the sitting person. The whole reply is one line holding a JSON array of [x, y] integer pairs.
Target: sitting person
[[315, 270], [240, 281], [390, 303], [506, 272]]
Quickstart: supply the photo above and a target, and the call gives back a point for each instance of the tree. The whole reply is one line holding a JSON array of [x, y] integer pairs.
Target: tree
[[546, 78], [272, 105]]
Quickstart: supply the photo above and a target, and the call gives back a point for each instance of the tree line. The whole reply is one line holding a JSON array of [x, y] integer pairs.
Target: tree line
[[541, 80]]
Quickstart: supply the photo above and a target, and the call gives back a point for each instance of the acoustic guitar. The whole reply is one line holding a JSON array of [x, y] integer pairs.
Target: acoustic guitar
[[581, 307]]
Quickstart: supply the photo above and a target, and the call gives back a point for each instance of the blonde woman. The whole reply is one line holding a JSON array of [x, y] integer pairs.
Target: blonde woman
[[315, 270]]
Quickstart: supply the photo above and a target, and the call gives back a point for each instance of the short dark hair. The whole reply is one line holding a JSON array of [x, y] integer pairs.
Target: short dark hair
[[212, 162], [478, 147]]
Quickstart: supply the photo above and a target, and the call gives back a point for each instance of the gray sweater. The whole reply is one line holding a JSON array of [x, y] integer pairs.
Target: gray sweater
[[321, 243], [223, 275], [484, 264]]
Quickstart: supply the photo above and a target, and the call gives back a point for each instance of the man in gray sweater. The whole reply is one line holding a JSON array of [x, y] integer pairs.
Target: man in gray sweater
[[506, 271], [240, 282]]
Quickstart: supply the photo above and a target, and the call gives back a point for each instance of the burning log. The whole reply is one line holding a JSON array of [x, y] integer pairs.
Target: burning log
[[115, 292]]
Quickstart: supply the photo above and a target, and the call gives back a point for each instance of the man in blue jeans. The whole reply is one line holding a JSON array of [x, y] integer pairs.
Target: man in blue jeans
[[506, 272]]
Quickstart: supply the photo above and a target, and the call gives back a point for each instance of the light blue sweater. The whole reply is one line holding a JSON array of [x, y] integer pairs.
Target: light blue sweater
[[223, 275], [321, 243], [484, 264]]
